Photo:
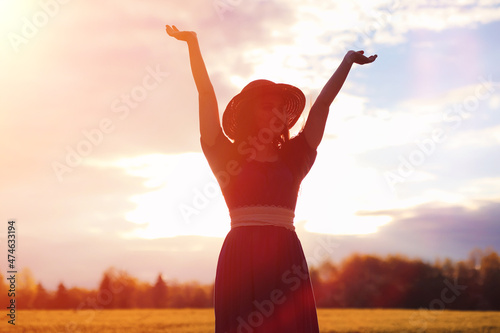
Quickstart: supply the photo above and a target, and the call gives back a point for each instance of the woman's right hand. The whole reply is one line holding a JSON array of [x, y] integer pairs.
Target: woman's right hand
[[180, 35]]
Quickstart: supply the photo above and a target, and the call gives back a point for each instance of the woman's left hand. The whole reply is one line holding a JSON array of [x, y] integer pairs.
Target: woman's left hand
[[358, 57]]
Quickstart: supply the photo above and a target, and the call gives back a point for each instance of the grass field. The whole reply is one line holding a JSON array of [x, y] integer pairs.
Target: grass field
[[202, 321]]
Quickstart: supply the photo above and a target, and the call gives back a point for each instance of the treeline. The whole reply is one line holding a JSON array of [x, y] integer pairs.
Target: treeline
[[366, 281], [360, 281], [117, 290]]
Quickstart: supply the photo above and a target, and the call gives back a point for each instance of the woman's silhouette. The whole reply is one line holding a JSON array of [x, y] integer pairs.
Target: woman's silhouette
[[262, 282]]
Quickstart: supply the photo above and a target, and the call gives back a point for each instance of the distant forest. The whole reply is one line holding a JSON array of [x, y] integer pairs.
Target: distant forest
[[360, 281]]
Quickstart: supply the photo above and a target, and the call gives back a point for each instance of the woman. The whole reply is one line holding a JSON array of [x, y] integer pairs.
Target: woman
[[262, 282]]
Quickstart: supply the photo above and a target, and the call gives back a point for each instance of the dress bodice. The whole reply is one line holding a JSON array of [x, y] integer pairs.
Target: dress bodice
[[245, 181]]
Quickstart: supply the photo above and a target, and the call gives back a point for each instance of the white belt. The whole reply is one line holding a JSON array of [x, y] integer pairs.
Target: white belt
[[262, 216]]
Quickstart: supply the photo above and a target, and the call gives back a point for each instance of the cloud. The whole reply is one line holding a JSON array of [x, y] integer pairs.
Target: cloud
[[447, 230], [427, 231], [183, 197], [443, 141]]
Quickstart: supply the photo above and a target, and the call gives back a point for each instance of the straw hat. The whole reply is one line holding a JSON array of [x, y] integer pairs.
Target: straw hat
[[294, 102]]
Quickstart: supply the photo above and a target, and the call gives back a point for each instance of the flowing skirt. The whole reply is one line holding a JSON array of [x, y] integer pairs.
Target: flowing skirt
[[262, 283]]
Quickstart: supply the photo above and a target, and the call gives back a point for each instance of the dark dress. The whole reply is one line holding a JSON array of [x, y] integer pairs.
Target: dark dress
[[262, 282]]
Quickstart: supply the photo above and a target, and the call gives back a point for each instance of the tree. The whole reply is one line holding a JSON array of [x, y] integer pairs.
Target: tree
[[42, 298], [490, 274], [4, 294], [127, 296], [324, 280], [468, 275], [25, 289], [105, 294], [160, 293], [199, 296], [61, 300]]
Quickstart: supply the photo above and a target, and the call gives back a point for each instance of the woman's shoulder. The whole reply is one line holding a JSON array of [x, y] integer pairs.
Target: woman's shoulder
[[220, 141], [299, 141]]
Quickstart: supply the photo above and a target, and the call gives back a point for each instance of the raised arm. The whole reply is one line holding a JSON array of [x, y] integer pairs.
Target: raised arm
[[209, 111], [316, 121]]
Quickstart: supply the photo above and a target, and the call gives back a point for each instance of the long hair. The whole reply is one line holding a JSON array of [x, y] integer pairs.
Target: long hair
[[283, 137]]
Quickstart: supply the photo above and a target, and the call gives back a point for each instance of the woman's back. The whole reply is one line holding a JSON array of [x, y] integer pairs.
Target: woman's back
[[246, 181]]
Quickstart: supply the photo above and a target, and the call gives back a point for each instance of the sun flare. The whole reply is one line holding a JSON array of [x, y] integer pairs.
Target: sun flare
[[184, 199]]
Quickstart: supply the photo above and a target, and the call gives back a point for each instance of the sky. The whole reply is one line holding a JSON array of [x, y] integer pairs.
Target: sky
[[101, 161]]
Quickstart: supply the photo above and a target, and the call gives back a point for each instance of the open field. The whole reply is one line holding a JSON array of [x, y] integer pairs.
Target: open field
[[201, 321]]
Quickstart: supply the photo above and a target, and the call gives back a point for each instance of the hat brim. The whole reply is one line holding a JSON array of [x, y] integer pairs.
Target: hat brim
[[293, 98]]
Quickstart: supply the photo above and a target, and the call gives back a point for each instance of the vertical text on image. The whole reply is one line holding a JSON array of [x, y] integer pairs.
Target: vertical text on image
[[12, 271]]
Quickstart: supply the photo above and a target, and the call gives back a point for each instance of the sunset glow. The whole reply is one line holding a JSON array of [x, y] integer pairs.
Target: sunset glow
[[101, 150]]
